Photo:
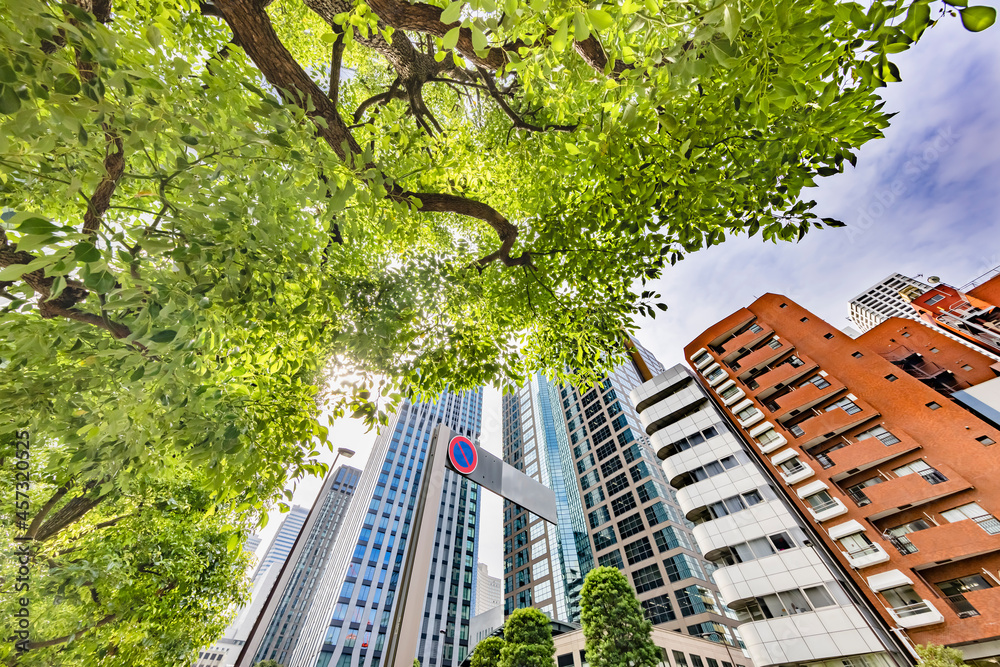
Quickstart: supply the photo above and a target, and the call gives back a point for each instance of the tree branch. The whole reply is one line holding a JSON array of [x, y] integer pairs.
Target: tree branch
[[252, 28], [65, 638], [394, 93], [518, 121], [114, 166], [46, 508], [336, 58]]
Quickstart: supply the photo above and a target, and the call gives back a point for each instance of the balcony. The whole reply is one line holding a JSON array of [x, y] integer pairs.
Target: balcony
[[953, 541], [827, 425], [873, 554], [703, 362], [902, 493], [780, 376], [803, 398], [762, 357], [797, 474], [868, 453], [916, 615], [828, 510], [743, 342], [961, 606]]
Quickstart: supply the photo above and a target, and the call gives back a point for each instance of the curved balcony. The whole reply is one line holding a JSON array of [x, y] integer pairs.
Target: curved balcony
[[695, 498], [828, 510], [916, 615], [714, 374], [873, 554], [800, 473], [752, 419], [744, 341], [703, 362], [771, 446], [683, 462], [758, 521], [794, 568], [739, 395], [826, 634], [796, 402], [915, 489]]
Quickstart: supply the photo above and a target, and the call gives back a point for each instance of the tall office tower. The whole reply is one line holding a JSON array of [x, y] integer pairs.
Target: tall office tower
[[348, 621], [615, 508], [282, 542], [762, 549], [282, 617], [883, 300], [252, 543], [535, 441], [896, 476], [489, 591]]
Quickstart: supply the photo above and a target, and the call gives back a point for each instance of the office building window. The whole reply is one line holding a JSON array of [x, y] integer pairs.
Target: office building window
[[647, 578], [638, 551]]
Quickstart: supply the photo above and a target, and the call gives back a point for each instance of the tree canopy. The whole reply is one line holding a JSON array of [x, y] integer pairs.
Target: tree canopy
[[487, 652], [617, 634], [212, 208], [935, 655], [527, 640], [144, 578]]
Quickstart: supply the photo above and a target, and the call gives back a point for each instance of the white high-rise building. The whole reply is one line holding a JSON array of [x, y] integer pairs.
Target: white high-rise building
[[882, 301], [488, 590], [795, 607], [283, 541]]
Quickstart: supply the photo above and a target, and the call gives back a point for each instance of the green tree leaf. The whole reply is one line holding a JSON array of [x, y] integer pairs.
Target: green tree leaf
[[452, 12], [978, 18]]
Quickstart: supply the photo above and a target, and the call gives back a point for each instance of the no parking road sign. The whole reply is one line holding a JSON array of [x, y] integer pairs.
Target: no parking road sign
[[463, 454]]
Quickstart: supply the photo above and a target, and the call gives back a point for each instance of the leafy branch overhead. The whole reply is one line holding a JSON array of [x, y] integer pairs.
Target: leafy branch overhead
[[221, 219]]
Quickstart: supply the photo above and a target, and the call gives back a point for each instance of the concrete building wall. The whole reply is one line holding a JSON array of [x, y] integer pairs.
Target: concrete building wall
[[898, 477], [743, 527], [281, 623], [678, 650], [489, 590]]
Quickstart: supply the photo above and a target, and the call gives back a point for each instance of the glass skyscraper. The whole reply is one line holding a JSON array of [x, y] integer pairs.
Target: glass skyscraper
[[615, 506], [535, 442], [348, 622]]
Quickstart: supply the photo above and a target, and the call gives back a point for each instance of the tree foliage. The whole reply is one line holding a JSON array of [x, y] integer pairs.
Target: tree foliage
[[616, 633], [487, 652], [527, 640], [144, 578], [212, 207], [934, 655]]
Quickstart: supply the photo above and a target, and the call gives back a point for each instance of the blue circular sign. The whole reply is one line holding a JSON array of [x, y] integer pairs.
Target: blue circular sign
[[462, 454]]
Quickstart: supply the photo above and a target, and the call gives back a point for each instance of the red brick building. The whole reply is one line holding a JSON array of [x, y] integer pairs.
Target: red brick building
[[901, 481], [973, 315]]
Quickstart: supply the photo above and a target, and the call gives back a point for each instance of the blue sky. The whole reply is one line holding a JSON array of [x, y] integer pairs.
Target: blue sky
[[924, 200]]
